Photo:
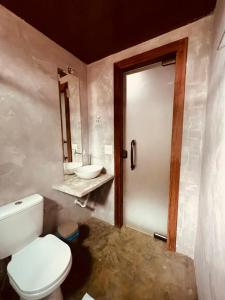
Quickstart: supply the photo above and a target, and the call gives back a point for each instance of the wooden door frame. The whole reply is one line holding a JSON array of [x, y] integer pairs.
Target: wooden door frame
[[179, 50]]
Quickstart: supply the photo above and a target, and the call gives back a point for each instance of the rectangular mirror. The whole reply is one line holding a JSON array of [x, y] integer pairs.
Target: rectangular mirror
[[70, 113]]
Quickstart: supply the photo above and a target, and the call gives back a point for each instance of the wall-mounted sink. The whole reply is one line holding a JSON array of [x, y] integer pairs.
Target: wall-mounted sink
[[88, 172]]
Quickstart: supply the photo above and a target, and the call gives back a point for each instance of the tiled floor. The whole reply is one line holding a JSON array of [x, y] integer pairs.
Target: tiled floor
[[113, 264]]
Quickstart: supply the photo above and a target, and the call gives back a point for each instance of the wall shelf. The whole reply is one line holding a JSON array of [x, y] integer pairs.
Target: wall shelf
[[78, 187]]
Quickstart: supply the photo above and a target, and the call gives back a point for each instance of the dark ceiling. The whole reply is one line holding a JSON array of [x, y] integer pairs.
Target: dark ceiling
[[93, 29]]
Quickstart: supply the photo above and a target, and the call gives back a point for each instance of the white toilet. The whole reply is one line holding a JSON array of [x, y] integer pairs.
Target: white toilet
[[39, 265]]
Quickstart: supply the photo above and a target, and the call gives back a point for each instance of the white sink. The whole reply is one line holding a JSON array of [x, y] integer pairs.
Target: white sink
[[69, 167], [88, 172]]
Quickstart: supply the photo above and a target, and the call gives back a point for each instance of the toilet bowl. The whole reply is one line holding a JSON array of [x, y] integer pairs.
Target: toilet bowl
[[39, 265], [39, 269]]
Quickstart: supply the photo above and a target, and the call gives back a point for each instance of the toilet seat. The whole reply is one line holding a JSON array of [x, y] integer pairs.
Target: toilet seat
[[40, 267]]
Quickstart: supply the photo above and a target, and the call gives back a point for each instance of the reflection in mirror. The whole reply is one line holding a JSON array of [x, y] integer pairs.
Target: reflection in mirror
[[70, 117]]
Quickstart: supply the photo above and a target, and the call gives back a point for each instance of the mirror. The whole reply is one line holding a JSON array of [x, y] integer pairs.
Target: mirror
[[70, 113]]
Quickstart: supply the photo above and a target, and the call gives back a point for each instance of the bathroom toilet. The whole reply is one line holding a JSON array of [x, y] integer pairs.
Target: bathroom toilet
[[39, 265]]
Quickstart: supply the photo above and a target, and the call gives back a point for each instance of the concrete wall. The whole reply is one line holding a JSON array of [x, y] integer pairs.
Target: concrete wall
[[100, 103], [210, 245], [30, 138]]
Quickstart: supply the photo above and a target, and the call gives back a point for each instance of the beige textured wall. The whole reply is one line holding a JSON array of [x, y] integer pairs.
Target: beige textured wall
[[30, 134], [100, 101], [210, 245]]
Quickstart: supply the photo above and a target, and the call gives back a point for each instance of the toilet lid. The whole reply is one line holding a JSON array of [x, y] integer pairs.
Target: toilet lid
[[39, 264]]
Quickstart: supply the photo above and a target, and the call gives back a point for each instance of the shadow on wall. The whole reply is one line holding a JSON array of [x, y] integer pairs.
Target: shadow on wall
[[100, 195], [51, 210]]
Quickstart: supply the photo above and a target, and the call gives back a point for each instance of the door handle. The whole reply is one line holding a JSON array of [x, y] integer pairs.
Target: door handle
[[132, 154]]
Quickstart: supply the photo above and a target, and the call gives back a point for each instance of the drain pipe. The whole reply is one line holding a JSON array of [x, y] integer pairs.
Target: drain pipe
[[83, 202], [160, 237]]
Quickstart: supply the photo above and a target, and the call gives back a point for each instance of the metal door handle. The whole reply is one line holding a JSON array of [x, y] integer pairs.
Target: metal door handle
[[132, 154]]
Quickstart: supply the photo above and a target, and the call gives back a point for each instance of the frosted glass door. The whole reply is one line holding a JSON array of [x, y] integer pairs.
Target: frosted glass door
[[148, 121]]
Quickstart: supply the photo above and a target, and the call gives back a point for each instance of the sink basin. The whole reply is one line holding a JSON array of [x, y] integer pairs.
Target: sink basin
[[88, 172], [69, 167]]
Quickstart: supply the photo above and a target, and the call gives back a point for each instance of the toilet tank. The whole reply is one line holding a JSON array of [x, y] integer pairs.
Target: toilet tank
[[20, 223]]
